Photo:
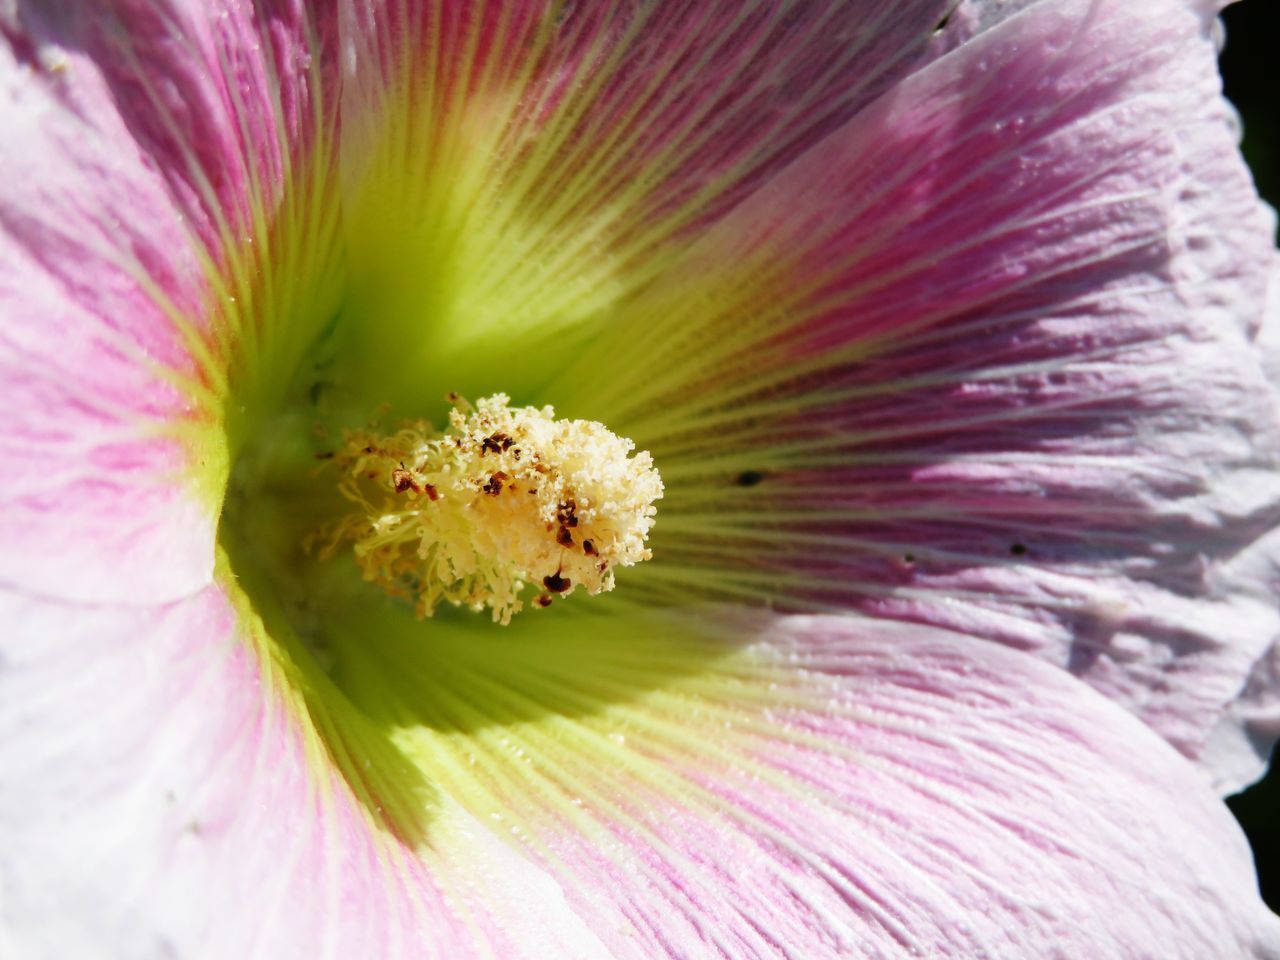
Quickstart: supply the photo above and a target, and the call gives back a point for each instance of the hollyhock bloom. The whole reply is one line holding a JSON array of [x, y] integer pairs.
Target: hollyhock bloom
[[949, 330]]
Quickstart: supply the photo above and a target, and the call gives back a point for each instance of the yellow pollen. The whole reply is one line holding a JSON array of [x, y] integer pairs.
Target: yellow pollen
[[504, 500]]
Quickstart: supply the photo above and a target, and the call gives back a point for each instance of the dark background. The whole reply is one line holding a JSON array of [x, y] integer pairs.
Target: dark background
[[1249, 67]]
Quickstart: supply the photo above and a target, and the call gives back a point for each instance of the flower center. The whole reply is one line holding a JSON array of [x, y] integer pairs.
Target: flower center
[[504, 499]]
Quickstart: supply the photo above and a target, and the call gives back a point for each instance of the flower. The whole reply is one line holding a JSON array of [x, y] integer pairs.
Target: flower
[[949, 328]]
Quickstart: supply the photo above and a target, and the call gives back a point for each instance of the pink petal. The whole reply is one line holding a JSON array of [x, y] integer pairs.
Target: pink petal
[[161, 798], [218, 95], [861, 788], [732, 91], [144, 142], [83, 219], [547, 158], [836, 787], [990, 357], [1251, 725]]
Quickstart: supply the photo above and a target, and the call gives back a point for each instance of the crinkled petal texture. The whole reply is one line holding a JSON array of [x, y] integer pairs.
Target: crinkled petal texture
[[825, 787], [928, 329], [993, 355]]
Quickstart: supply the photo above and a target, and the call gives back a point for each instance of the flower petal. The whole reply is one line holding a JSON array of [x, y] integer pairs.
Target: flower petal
[[141, 178], [1250, 727], [89, 498], [829, 787], [956, 741], [215, 94], [545, 158], [161, 798], [989, 357]]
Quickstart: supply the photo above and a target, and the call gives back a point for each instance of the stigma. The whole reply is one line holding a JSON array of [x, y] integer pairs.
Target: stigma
[[502, 506]]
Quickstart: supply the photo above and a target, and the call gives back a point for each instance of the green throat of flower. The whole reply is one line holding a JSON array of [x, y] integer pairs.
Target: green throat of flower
[[389, 268], [339, 541], [502, 501]]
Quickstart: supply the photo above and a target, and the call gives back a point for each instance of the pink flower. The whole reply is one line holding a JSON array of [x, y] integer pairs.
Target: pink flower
[[950, 328]]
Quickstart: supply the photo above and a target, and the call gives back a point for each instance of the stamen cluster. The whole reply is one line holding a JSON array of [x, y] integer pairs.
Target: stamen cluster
[[502, 500]]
